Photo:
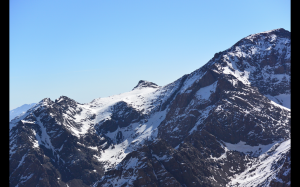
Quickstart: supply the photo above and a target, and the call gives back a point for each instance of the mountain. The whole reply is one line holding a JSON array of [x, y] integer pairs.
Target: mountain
[[225, 124], [19, 111]]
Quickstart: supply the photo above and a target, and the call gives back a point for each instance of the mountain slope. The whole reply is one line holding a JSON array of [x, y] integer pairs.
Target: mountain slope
[[207, 128]]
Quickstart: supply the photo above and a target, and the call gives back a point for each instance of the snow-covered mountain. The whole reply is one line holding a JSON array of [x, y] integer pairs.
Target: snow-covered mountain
[[19, 110], [225, 124]]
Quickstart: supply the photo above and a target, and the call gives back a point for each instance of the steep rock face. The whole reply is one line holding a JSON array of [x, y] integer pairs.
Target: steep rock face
[[122, 115], [225, 124], [224, 105]]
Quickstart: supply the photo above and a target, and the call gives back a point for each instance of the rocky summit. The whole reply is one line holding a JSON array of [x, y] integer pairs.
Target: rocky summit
[[225, 124]]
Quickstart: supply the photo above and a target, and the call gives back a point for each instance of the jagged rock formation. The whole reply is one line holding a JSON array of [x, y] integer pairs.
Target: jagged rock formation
[[144, 84], [225, 124]]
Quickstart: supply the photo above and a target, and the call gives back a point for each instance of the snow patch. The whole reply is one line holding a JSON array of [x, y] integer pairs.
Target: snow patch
[[262, 172], [281, 99], [248, 149], [205, 92]]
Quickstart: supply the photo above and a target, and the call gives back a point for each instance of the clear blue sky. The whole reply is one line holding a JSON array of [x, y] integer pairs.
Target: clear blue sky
[[97, 48]]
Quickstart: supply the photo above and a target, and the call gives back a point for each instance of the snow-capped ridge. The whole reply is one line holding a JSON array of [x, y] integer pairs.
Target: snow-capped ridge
[[278, 32]]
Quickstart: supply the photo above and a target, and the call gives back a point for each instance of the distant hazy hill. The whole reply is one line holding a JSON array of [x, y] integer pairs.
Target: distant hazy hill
[[20, 110]]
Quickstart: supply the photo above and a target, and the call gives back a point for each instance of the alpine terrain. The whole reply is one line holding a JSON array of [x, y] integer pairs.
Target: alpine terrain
[[225, 124]]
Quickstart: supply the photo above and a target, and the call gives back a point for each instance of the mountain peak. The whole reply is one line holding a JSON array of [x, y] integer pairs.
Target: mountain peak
[[46, 100], [280, 32], [64, 99], [143, 84]]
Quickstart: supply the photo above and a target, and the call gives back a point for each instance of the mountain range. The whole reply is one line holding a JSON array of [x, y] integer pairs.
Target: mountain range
[[225, 124]]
